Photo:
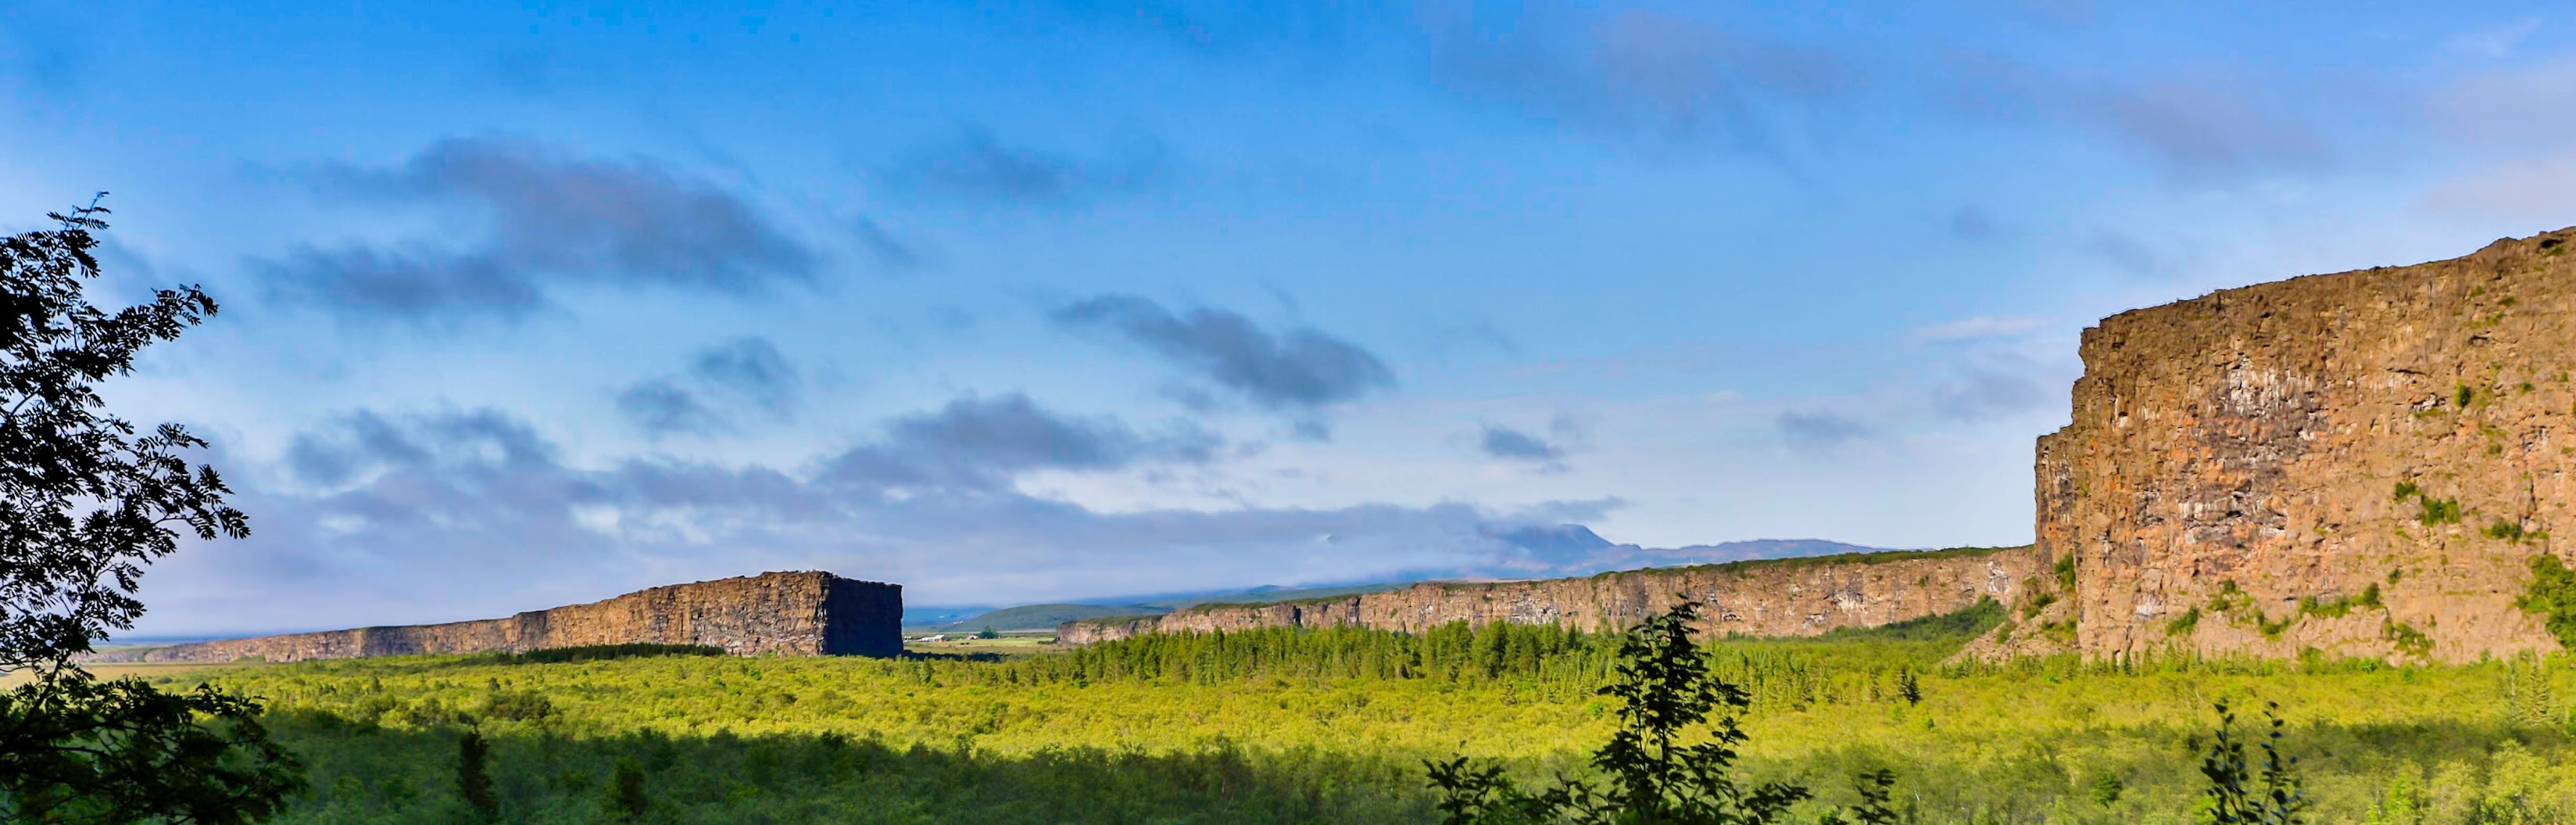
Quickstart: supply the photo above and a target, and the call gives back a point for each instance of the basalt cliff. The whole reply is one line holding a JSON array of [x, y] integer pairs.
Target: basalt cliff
[[1781, 597], [2370, 464], [794, 614], [2362, 464]]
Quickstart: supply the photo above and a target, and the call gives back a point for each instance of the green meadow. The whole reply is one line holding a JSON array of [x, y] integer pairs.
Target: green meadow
[[1333, 726]]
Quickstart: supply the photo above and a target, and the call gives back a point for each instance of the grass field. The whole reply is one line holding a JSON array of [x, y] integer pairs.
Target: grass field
[[1255, 732]]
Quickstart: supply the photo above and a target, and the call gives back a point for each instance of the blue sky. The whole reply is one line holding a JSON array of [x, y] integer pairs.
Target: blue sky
[[531, 302]]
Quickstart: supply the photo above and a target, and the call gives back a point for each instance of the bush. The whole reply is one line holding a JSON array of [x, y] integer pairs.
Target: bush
[[1664, 689], [2552, 594], [2241, 794]]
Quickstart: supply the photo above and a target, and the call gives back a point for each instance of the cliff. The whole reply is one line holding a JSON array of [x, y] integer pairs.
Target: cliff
[[1781, 597], [2362, 463], [794, 614]]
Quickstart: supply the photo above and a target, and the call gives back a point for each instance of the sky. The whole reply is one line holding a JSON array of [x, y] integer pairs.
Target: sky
[[527, 303]]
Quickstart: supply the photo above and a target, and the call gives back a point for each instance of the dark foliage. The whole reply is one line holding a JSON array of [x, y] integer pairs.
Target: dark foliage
[[626, 792], [592, 653], [2241, 793], [1877, 791], [1664, 689], [85, 503], [2552, 594], [474, 778]]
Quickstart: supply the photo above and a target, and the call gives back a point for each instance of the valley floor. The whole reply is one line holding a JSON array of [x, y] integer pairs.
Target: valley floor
[[1253, 733]]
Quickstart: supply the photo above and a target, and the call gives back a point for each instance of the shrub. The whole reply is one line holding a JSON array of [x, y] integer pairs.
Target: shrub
[[517, 706], [2552, 594], [2183, 624], [2407, 638], [2239, 792], [2438, 510]]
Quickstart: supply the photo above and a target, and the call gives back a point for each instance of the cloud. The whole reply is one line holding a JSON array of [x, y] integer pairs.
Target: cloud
[[1985, 393], [2529, 108], [660, 407], [1819, 431], [752, 367], [548, 219], [409, 283], [991, 437], [1637, 72], [976, 167], [1971, 223], [1298, 370], [1974, 329], [2494, 41], [363, 443], [2194, 127], [465, 514], [2540, 189], [1505, 442], [888, 250], [722, 381], [2128, 253], [2204, 130]]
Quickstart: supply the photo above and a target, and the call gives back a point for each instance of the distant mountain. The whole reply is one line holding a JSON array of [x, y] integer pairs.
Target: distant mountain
[[1264, 593], [933, 615], [1274, 593], [1574, 550], [1039, 617]]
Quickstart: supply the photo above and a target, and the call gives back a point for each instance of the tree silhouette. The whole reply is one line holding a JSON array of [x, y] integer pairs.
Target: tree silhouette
[[85, 503], [474, 778], [626, 792], [2241, 793], [1664, 689]]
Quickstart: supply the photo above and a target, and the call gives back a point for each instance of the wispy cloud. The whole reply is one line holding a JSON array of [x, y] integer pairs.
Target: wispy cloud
[[1298, 370], [1819, 431], [549, 218], [722, 381], [975, 166], [2204, 127], [1974, 329], [1640, 73]]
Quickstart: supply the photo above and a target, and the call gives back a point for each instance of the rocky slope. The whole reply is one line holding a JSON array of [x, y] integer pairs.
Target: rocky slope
[[797, 614], [2362, 463], [1784, 597]]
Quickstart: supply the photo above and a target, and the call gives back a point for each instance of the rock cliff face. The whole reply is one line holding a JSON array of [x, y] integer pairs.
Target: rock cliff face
[[795, 614], [2362, 463], [1785, 597]]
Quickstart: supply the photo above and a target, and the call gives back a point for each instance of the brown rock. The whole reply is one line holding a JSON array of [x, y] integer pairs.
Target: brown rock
[[1783, 597], [794, 614], [2276, 456]]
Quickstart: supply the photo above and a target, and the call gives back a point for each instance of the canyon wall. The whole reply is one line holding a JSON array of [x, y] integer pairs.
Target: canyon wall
[[1782, 597], [795, 614], [2362, 463]]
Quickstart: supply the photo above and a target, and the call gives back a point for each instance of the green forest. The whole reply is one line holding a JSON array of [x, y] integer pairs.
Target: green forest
[[1338, 725]]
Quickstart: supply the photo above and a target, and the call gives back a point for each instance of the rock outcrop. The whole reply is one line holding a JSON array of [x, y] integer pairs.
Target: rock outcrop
[[794, 614], [2362, 463], [1782, 597]]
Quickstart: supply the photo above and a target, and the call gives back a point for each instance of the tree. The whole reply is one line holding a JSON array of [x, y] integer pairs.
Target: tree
[[85, 503], [474, 779], [1664, 689], [626, 791]]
